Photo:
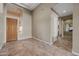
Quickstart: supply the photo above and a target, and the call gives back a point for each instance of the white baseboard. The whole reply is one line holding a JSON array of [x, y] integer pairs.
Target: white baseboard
[[25, 38], [75, 53], [0, 47], [42, 41]]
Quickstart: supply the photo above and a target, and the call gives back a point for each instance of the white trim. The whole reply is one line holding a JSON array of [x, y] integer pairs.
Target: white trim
[[17, 24], [42, 41], [14, 17], [5, 12], [25, 38], [1, 47], [75, 53]]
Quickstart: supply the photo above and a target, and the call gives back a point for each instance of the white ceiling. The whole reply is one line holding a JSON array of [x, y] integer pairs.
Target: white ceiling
[[29, 6], [63, 9]]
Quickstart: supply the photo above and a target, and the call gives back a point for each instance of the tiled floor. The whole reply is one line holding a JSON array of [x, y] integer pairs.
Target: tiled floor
[[32, 47], [65, 42]]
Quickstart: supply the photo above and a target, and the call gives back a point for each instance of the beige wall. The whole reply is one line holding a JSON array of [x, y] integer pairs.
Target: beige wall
[[42, 23], [54, 27], [26, 23], [60, 27], [1, 8], [75, 48], [13, 10], [2, 26]]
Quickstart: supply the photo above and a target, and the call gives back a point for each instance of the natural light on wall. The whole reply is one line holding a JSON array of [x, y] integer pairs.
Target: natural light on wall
[[20, 29], [55, 26]]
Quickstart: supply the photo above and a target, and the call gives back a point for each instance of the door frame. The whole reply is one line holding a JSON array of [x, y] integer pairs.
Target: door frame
[[14, 17]]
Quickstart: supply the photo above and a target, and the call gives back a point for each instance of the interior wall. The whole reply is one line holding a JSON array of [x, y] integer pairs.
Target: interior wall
[[1, 8], [54, 26], [26, 24], [41, 23], [60, 27], [2, 26], [75, 48]]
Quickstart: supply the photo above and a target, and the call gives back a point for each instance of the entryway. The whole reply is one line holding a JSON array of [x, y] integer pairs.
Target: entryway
[[65, 38]]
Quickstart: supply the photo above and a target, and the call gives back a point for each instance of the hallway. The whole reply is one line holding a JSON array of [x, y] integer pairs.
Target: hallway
[[44, 22], [65, 42]]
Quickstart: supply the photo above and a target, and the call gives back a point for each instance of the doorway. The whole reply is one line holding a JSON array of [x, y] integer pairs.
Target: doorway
[[65, 33], [11, 29]]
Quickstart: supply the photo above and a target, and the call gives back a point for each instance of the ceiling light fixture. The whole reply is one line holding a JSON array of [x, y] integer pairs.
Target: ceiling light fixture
[[64, 11]]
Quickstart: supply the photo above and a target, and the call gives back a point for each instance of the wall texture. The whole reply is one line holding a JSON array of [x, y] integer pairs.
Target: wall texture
[[60, 27], [26, 23], [42, 23], [75, 48], [54, 27], [2, 26], [1, 8]]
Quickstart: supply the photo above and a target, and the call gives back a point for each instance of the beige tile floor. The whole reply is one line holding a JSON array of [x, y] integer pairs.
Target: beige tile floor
[[32, 47], [65, 42]]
